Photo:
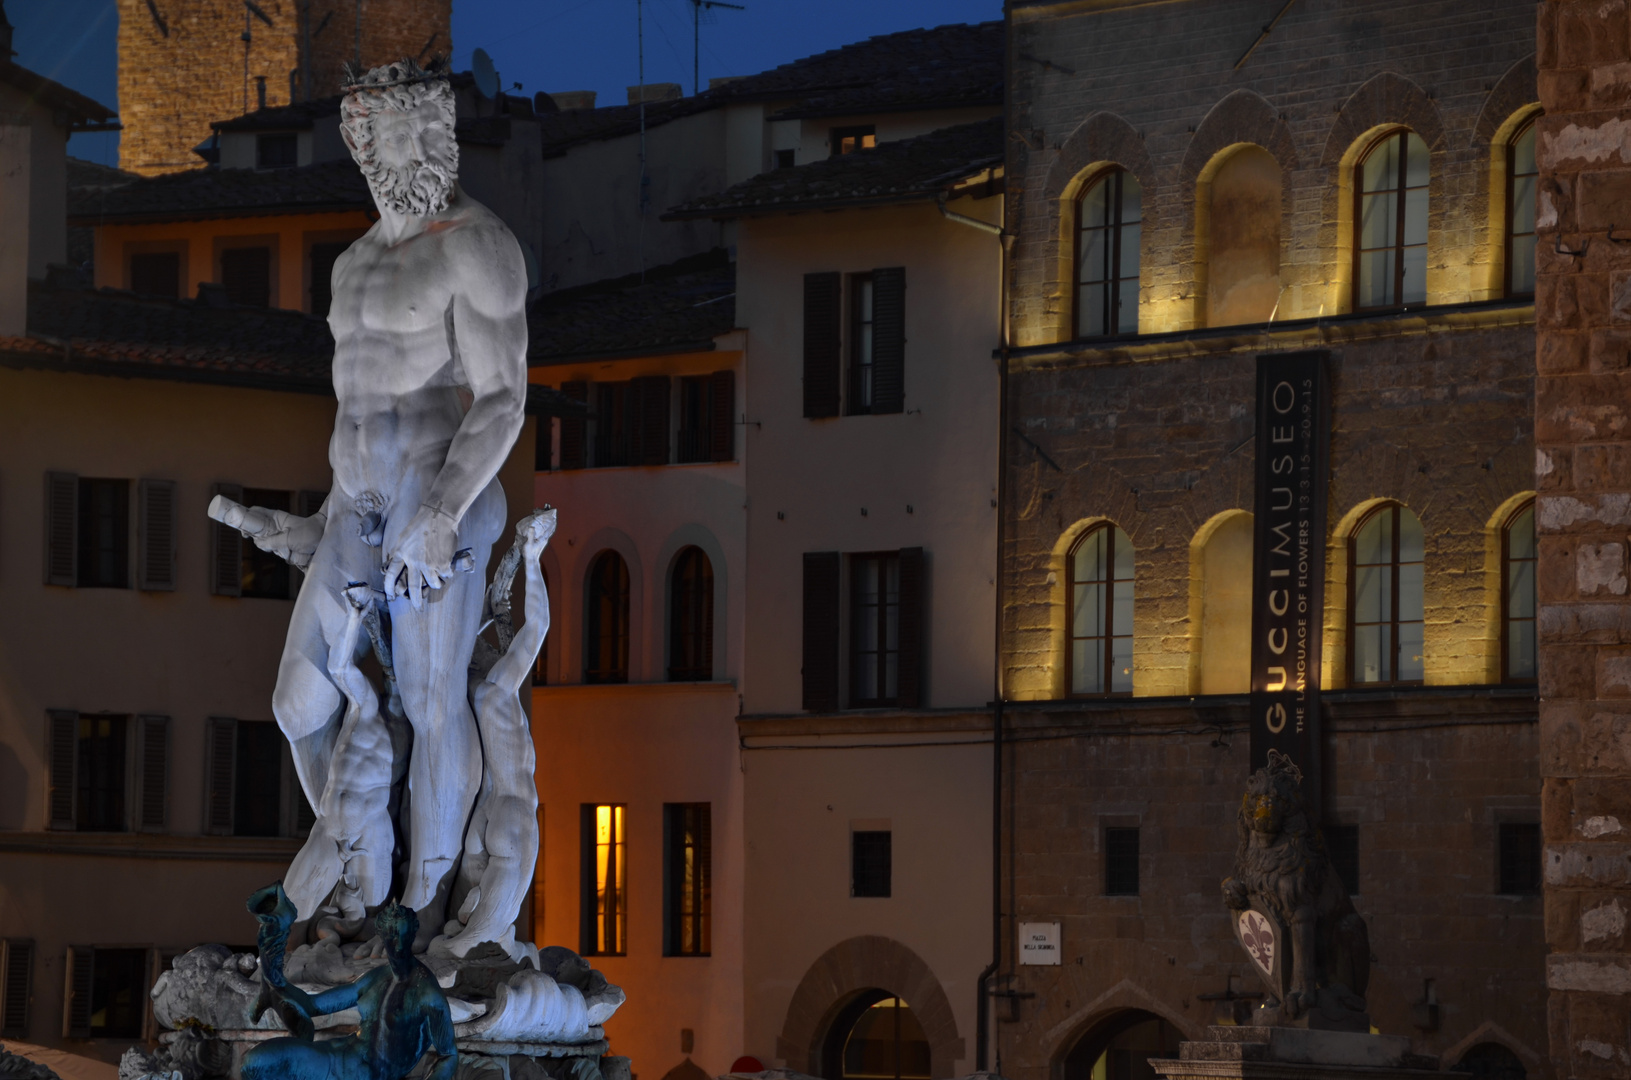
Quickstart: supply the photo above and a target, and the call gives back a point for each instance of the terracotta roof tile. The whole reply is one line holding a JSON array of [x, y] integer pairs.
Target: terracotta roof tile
[[213, 192], [680, 307]]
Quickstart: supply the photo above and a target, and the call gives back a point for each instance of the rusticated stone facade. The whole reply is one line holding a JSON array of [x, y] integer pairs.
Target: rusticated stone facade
[[184, 63], [1432, 408], [1583, 471]]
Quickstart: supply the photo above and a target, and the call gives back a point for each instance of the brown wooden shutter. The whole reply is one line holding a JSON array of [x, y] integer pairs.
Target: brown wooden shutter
[[76, 992], [16, 987], [889, 339], [62, 729], [821, 631], [822, 337], [226, 550], [910, 693], [61, 528], [722, 439], [574, 433], [156, 535], [651, 419], [152, 812], [221, 756]]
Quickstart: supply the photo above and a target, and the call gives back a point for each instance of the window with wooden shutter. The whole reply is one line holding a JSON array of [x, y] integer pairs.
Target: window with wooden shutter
[[574, 436], [78, 979], [911, 693], [822, 335], [156, 535], [219, 774], [652, 397], [153, 757], [723, 386], [821, 569], [16, 986], [888, 340], [61, 528], [63, 738], [226, 549]]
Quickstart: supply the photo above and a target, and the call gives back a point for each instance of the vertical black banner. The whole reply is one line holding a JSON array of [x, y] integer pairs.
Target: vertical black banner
[[1288, 560]]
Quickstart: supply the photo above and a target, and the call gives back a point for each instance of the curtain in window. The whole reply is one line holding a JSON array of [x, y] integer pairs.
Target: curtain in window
[[1101, 613]]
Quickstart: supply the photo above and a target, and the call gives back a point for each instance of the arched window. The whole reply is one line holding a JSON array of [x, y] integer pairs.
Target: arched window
[[1109, 222], [1224, 567], [1243, 239], [1518, 596], [1385, 598], [1101, 612], [877, 1037], [1521, 176], [606, 641], [1121, 1046], [1390, 226], [691, 618]]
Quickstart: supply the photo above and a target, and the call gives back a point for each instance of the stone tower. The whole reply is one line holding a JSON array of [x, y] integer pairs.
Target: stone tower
[[185, 63]]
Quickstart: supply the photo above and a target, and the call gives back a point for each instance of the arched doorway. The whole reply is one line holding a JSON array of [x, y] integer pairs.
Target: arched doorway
[[876, 1037], [1120, 1046], [1491, 1061]]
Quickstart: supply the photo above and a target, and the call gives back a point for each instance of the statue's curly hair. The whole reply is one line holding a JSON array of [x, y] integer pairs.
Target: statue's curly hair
[[396, 923], [398, 87]]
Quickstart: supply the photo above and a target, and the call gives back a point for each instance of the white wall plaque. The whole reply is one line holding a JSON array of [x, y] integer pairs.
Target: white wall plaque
[[1039, 943]]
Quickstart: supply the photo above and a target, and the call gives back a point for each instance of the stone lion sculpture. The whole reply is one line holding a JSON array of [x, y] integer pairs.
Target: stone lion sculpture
[[1291, 911]]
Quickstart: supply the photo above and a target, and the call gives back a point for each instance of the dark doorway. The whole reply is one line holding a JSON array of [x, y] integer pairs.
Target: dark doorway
[[876, 1037], [1120, 1048]]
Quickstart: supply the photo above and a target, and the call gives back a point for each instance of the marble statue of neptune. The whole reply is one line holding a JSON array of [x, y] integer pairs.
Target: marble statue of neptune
[[430, 373]]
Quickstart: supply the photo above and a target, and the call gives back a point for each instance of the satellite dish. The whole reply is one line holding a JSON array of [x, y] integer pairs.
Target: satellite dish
[[486, 77]]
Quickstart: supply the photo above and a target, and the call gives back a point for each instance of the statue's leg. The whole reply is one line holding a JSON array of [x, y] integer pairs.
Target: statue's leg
[[286, 1059], [307, 704], [431, 652]]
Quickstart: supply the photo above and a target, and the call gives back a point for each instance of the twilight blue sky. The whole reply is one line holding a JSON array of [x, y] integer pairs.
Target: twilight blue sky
[[542, 44]]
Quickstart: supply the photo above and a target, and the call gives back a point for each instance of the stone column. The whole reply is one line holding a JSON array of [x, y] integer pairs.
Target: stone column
[[1583, 479]]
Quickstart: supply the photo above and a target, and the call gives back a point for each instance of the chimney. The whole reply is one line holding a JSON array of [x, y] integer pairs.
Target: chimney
[[572, 100], [657, 91]]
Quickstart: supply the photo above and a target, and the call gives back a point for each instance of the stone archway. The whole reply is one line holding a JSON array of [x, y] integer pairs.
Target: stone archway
[[851, 968]]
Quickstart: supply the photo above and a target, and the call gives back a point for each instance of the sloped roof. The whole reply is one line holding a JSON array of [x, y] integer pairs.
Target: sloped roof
[[54, 95], [92, 174], [297, 115], [905, 170], [939, 67], [212, 192], [110, 332], [680, 307]]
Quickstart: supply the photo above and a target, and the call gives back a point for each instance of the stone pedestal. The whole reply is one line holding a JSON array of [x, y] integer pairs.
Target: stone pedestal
[[1278, 1053], [478, 1059]]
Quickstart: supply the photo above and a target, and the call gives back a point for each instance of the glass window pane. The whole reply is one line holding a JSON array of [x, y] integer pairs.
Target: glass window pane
[[1376, 278], [1523, 264], [1090, 557], [1410, 536], [1127, 306], [1374, 544], [1415, 276], [1523, 151], [1121, 666], [1520, 602], [1130, 239], [1377, 228], [1370, 592], [1523, 204], [1095, 204], [1122, 617], [1087, 667], [1124, 557], [1094, 244], [1417, 164], [1520, 650], [1410, 652], [1368, 654], [1520, 535], [1091, 315], [1089, 610], [1410, 603], [1381, 169], [1415, 216], [1132, 200]]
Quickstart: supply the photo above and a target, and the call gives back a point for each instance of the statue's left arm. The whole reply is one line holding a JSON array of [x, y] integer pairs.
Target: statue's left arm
[[489, 332], [440, 1022]]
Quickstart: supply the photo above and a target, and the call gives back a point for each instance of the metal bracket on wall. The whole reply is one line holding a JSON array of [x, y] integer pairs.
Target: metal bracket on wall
[[1014, 997]]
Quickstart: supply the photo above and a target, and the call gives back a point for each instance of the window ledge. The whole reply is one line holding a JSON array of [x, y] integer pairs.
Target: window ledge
[[274, 849]]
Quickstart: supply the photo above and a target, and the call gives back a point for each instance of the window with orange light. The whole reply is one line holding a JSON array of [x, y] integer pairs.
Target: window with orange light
[[605, 888]]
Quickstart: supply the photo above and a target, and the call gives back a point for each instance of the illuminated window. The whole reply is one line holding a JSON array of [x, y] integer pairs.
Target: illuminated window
[[688, 878], [1109, 224], [1521, 176], [1390, 245], [1518, 596], [1385, 598], [605, 888], [847, 140], [1101, 606], [606, 644], [883, 1040]]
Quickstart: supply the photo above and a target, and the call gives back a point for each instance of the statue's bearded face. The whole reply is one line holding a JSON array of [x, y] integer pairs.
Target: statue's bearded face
[[402, 140]]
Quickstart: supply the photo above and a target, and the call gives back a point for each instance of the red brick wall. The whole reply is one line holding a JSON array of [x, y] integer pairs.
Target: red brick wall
[[185, 67], [1583, 472]]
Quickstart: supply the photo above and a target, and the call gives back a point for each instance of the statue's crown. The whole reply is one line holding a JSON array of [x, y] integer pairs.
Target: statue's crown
[[404, 72]]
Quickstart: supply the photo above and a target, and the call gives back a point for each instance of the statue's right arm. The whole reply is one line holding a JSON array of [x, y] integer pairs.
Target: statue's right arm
[[286, 535], [515, 666], [338, 998]]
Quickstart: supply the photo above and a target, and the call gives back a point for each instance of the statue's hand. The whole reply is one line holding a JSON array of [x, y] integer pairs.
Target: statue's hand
[[291, 538], [535, 531], [422, 556]]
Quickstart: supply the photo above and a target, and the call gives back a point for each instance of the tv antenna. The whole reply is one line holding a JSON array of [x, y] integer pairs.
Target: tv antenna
[[699, 10]]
